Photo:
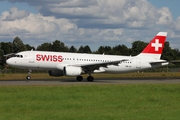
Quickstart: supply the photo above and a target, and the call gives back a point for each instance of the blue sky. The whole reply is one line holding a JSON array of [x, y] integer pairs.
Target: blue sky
[[92, 23], [5, 6], [173, 5]]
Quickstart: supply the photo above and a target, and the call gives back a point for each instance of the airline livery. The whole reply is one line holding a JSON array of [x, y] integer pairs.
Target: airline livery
[[75, 64]]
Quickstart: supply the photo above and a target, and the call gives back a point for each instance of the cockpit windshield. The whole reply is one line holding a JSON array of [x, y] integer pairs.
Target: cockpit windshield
[[19, 56]]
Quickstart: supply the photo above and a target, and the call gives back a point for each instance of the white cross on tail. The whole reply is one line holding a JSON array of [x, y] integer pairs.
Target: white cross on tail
[[156, 45]]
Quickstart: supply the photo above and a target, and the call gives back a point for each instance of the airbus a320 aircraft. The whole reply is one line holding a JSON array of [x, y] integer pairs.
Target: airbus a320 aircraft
[[75, 64]]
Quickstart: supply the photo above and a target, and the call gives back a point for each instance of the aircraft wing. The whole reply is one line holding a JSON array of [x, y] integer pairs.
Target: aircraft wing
[[95, 66]]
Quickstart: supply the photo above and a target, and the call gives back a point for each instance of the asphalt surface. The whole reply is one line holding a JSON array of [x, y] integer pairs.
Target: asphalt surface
[[74, 82]]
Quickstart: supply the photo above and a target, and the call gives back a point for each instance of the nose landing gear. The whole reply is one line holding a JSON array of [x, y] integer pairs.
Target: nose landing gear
[[28, 77]]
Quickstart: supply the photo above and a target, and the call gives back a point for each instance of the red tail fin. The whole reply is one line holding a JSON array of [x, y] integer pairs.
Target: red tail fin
[[156, 45]]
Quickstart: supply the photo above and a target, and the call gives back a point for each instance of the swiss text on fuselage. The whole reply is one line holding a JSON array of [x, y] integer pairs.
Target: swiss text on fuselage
[[52, 58]]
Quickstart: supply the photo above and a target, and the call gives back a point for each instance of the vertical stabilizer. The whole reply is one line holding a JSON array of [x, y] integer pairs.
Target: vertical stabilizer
[[155, 47]]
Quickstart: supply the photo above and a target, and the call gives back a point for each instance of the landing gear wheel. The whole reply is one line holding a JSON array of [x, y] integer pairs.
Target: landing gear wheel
[[28, 77], [90, 78], [79, 78]]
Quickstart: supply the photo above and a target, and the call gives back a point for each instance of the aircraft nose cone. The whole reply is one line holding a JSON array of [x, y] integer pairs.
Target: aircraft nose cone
[[9, 62]]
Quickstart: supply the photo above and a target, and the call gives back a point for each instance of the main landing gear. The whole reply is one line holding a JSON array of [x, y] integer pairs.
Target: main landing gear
[[28, 77], [89, 78]]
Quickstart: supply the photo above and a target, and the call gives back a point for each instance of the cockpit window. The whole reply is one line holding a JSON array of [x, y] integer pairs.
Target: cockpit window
[[19, 56]]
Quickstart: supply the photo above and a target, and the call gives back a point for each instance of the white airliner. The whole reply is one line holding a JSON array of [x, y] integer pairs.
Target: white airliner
[[75, 64]]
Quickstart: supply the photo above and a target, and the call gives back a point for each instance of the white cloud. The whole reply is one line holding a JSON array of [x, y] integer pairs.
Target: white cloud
[[164, 16], [177, 25], [118, 14], [34, 26], [15, 14], [36, 23], [104, 13], [87, 22]]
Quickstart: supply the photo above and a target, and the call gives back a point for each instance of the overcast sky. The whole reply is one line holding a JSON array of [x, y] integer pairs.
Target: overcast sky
[[89, 22]]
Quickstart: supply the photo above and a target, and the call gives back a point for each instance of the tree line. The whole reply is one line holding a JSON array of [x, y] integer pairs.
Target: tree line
[[137, 46]]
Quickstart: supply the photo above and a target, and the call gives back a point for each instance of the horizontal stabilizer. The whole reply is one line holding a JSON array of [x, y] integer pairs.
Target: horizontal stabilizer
[[159, 61]]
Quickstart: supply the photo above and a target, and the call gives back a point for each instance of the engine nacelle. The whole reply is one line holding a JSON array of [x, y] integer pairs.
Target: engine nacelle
[[56, 73], [72, 71]]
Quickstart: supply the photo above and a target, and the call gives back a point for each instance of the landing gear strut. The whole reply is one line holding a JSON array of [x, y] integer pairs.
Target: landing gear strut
[[28, 77]]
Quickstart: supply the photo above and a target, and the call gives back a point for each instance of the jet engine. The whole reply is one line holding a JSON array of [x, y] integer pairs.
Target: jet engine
[[67, 71], [72, 71]]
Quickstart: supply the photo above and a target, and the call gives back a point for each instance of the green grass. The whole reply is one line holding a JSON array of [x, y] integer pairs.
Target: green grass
[[91, 102]]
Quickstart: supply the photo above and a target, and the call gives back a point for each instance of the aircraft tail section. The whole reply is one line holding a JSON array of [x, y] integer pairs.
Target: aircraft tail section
[[155, 47]]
